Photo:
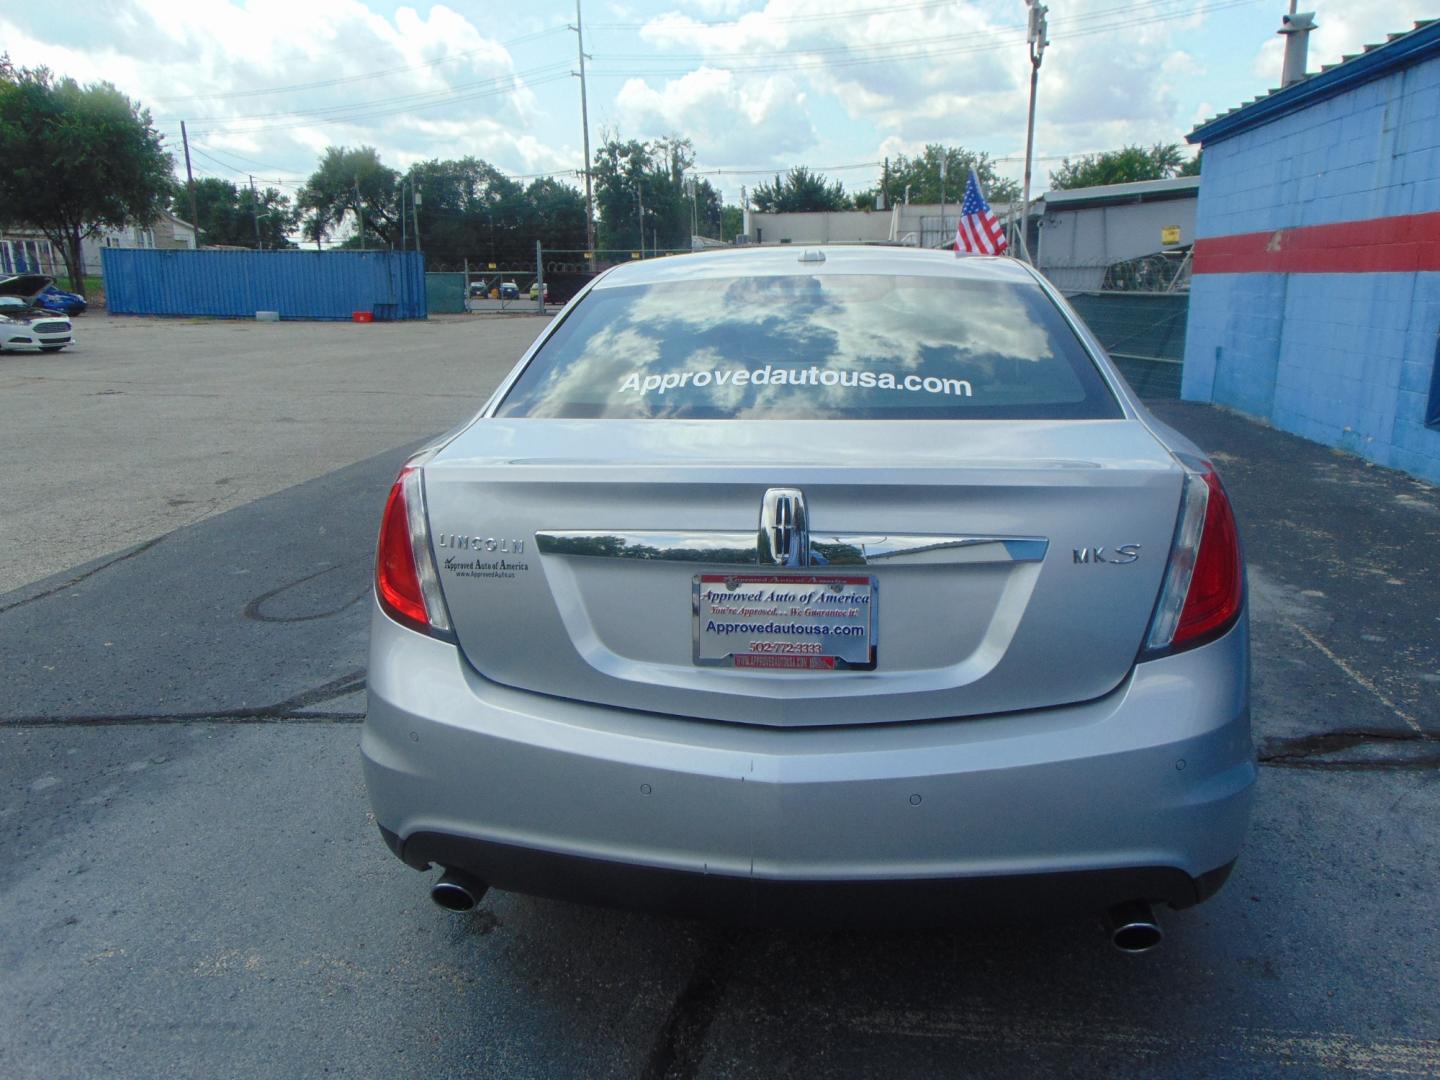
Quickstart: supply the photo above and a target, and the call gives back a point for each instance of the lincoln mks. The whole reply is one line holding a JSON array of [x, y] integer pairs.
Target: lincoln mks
[[837, 585]]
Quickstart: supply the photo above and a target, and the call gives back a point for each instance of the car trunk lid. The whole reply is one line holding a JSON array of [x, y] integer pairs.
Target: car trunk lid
[[1011, 565]]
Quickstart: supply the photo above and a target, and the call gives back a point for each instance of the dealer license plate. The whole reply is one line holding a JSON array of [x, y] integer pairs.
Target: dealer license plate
[[784, 621]]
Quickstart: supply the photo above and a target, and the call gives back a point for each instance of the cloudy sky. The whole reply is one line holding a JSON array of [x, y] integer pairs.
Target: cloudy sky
[[757, 84]]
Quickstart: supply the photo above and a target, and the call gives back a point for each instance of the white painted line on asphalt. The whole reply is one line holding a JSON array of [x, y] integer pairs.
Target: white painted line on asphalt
[[1359, 679]]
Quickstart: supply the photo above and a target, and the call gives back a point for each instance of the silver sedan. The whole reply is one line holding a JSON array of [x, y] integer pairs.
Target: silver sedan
[[837, 585]]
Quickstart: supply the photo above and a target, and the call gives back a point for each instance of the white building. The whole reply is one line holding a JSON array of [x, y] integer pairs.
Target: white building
[[25, 251], [167, 232], [918, 224]]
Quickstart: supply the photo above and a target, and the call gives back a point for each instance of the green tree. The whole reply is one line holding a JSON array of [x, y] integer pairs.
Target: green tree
[[555, 213], [732, 221], [468, 209], [1123, 166], [649, 182], [921, 174], [800, 190], [352, 185], [1191, 167], [76, 159], [229, 214]]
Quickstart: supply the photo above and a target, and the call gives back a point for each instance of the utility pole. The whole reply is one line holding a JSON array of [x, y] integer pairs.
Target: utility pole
[[415, 210], [255, 210], [579, 29], [1035, 36], [190, 183]]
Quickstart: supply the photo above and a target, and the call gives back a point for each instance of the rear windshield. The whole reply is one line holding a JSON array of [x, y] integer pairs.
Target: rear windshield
[[815, 347]]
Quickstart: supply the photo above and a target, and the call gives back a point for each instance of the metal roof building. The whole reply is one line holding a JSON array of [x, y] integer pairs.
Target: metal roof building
[[1081, 232]]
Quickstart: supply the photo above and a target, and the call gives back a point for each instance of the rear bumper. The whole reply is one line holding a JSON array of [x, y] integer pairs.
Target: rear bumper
[[812, 904], [1142, 794]]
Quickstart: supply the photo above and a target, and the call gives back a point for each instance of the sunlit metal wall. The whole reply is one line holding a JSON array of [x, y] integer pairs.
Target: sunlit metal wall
[[237, 284]]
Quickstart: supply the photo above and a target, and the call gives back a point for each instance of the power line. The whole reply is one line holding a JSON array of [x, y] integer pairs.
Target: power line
[[380, 73], [253, 161], [505, 81], [294, 119], [242, 172], [832, 16], [1000, 37], [845, 14], [783, 168], [794, 61]]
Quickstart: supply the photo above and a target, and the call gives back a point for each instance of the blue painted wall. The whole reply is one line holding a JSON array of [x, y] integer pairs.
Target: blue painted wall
[[237, 284], [1345, 359]]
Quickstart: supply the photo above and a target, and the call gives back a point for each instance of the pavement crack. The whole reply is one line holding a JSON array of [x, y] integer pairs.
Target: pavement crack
[[139, 549], [1312, 751], [252, 609], [297, 709], [680, 1043], [148, 720]]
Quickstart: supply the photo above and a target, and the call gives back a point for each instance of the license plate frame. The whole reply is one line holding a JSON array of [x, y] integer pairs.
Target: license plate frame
[[843, 625]]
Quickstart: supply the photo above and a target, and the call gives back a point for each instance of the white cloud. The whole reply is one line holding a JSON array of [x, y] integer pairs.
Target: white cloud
[[776, 82], [414, 85], [959, 73], [731, 118]]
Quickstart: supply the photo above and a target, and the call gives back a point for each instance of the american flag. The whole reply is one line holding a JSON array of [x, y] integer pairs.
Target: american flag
[[978, 230]]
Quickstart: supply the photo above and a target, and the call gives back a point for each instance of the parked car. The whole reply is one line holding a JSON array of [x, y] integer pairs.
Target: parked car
[[67, 303], [23, 324], [846, 584], [535, 291], [509, 290]]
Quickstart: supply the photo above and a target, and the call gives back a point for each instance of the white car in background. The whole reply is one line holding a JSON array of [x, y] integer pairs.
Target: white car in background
[[25, 326]]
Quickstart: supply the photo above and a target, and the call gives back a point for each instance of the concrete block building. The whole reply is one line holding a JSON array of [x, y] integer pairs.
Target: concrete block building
[[1315, 295]]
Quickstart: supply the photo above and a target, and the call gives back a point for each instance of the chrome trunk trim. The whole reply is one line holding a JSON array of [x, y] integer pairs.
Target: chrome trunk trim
[[741, 548]]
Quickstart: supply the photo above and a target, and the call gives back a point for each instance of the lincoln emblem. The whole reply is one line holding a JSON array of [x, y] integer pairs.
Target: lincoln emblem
[[784, 538]]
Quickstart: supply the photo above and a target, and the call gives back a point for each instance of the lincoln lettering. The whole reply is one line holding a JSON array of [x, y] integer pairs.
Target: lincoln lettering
[[479, 543]]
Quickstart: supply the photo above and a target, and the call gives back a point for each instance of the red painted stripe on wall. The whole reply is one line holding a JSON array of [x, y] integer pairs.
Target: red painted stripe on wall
[[1388, 245]]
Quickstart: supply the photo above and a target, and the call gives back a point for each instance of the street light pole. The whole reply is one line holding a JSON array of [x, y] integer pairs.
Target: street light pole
[[1036, 39], [640, 216], [944, 157], [255, 210]]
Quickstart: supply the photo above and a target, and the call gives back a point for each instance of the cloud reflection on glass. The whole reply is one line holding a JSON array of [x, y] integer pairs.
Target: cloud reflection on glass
[[1006, 342]]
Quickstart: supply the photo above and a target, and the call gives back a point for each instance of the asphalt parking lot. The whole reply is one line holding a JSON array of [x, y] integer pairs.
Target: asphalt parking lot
[[190, 884]]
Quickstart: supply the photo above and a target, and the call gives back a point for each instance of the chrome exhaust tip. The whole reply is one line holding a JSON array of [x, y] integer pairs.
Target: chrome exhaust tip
[[1133, 927], [458, 891]]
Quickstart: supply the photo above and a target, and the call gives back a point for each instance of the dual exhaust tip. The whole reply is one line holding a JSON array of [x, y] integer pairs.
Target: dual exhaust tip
[[1131, 925]]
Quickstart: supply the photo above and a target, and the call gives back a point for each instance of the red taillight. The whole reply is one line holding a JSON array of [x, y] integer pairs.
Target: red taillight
[[1217, 583], [405, 579], [1204, 583]]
